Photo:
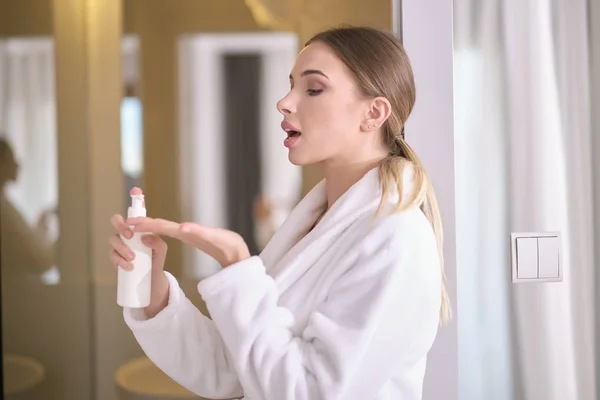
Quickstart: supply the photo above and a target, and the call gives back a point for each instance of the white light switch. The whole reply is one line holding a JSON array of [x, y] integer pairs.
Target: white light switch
[[548, 257], [536, 257], [527, 258]]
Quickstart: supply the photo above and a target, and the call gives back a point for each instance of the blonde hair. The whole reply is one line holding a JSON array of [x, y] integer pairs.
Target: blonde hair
[[382, 69]]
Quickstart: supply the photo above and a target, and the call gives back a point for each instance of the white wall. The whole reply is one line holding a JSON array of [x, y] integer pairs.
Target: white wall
[[428, 39], [594, 24]]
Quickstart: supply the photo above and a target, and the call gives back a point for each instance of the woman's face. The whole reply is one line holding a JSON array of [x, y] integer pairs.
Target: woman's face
[[325, 107]]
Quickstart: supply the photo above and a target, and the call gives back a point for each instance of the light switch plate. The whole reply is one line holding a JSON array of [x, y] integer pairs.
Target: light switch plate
[[550, 245]]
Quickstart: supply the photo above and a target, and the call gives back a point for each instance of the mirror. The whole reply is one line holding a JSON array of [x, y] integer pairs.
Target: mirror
[[199, 133], [33, 290]]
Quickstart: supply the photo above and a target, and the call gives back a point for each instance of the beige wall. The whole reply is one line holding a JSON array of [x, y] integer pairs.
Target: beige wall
[[25, 17], [32, 18]]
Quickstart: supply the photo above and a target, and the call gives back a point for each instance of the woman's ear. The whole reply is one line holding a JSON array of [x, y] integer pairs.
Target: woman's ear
[[378, 112]]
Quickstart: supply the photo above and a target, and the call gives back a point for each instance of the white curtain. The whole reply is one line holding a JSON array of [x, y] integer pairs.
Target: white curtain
[[523, 164], [28, 122]]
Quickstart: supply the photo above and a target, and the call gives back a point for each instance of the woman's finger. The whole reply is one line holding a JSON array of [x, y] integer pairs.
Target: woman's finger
[[203, 238], [188, 232], [119, 262], [154, 241], [158, 226], [121, 248], [194, 234], [119, 224]]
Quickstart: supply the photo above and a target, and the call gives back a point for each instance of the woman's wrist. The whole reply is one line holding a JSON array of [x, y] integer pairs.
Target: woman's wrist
[[159, 297], [239, 254]]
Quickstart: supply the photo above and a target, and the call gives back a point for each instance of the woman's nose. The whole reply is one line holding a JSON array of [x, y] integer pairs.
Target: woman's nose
[[284, 106]]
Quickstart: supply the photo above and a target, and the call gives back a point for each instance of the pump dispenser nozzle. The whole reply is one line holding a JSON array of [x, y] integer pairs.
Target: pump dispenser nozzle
[[137, 208], [137, 201]]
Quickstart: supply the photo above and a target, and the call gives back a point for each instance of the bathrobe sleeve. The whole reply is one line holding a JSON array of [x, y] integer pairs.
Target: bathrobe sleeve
[[185, 344], [380, 315]]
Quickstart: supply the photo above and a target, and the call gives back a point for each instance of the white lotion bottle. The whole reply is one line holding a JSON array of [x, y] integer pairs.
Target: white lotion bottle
[[133, 287]]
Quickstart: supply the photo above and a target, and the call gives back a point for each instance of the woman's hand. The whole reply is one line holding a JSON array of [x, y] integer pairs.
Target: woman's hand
[[121, 256], [225, 246]]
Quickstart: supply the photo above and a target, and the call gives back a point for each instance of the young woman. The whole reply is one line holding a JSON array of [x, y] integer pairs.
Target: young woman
[[345, 300]]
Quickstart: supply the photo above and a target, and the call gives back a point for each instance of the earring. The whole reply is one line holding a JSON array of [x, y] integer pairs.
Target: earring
[[370, 126]]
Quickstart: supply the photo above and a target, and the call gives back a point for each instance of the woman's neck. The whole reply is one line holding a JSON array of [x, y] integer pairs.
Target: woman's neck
[[339, 177]]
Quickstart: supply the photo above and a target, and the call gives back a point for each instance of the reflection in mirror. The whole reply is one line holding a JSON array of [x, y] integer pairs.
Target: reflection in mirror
[[233, 170], [29, 228], [200, 133], [28, 175]]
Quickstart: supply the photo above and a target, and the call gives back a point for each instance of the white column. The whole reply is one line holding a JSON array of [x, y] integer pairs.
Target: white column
[[427, 34], [594, 24]]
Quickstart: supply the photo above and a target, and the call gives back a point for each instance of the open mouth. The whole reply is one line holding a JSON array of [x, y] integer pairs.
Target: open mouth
[[293, 136], [292, 133]]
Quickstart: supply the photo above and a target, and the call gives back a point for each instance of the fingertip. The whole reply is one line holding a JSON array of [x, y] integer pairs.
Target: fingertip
[[135, 191], [116, 219], [147, 239], [126, 266]]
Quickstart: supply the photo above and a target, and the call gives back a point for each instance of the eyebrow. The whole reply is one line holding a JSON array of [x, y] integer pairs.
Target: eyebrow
[[310, 72]]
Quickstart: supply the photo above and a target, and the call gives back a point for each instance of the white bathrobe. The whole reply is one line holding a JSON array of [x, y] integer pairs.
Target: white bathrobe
[[347, 311]]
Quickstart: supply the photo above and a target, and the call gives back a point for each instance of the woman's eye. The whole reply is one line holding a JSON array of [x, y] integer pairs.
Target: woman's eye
[[314, 92]]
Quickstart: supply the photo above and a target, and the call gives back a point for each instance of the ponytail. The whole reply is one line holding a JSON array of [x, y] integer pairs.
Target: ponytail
[[381, 67], [391, 171]]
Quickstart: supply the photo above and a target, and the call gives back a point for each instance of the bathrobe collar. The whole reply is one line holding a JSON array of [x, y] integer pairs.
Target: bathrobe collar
[[292, 251]]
